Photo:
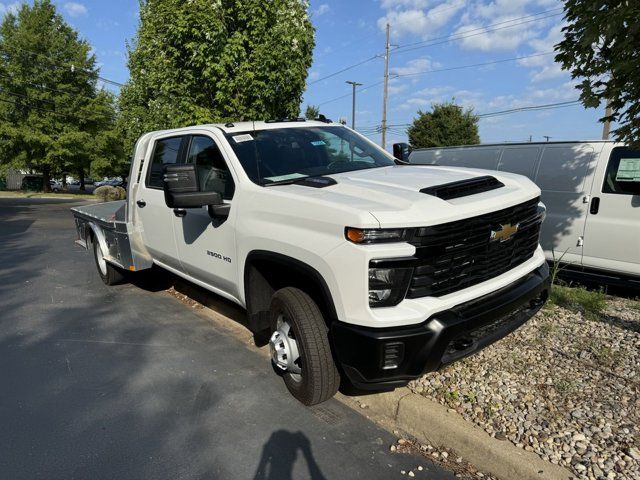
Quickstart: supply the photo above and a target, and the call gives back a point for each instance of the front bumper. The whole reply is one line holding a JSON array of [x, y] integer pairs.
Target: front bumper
[[383, 358]]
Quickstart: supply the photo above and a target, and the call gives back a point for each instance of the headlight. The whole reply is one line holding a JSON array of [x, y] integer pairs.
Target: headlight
[[388, 286], [542, 211], [374, 235]]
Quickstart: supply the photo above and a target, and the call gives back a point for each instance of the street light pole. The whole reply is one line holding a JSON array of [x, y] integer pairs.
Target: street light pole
[[353, 103]]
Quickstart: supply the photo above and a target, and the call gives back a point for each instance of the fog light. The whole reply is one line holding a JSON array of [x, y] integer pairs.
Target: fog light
[[388, 286], [393, 354]]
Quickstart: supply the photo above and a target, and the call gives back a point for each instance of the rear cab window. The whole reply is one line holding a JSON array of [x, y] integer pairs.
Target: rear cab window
[[623, 172], [166, 151]]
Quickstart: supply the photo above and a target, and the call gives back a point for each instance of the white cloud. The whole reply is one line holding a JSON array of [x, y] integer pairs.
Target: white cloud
[[416, 66], [545, 67], [416, 21], [75, 9], [509, 29], [321, 10], [391, 4]]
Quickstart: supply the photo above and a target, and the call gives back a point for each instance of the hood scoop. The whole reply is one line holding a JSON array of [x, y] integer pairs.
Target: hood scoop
[[464, 188]]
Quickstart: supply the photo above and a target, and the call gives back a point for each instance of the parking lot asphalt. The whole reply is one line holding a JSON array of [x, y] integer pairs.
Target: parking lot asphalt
[[122, 382]]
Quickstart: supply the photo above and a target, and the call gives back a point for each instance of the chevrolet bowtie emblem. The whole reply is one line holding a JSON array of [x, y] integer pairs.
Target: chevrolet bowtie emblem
[[504, 233]]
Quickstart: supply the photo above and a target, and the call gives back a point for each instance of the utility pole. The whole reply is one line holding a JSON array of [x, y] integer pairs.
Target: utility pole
[[353, 103], [607, 124], [386, 90], [547, 137]]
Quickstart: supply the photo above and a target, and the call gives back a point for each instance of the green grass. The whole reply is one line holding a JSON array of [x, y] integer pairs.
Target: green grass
[[591, 303], [22, 194]]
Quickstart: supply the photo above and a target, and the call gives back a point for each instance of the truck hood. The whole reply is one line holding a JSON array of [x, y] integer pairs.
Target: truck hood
[[392, 194]]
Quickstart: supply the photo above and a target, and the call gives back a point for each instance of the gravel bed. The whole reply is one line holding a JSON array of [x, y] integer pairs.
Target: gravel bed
[[563, 386]]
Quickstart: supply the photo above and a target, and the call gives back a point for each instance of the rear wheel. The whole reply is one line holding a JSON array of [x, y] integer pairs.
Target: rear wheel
[[300, 347], [109, 274]]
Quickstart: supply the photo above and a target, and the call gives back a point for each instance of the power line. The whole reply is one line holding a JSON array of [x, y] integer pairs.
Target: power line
[[547, 106], [345, 69], [463, 35], [368, 36], [483, 64], [484, 28], [446, 39], [69, 66], [459, 67], [531, 108]]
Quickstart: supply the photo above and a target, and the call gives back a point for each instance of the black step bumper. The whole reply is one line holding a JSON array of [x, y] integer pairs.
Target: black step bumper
[[383, 358]]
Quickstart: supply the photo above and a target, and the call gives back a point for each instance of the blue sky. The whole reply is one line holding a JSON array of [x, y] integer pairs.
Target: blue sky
[[352, 31]]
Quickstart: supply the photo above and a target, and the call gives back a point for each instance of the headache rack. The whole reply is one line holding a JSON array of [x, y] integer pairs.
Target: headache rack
[[456, 255]]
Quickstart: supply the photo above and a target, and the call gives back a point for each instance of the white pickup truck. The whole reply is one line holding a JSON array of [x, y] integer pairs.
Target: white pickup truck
[[355, 268]]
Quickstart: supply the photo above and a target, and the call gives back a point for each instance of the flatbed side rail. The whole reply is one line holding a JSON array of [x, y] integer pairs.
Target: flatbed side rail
[[111, 234]]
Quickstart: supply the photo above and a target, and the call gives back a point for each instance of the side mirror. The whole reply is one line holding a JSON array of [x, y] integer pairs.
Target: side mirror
[[402, 151], [182, 189]]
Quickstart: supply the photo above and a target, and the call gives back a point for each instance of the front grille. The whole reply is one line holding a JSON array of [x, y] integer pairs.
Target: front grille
[[457, 255]]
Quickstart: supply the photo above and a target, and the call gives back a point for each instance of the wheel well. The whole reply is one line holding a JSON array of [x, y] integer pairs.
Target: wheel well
[[267, 272]]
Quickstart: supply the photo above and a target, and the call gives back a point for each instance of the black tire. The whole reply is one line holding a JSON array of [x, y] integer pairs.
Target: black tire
[[320, 379], [111, 275]]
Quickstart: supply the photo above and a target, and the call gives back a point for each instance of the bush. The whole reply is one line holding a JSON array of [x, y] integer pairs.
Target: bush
[[107, 193]]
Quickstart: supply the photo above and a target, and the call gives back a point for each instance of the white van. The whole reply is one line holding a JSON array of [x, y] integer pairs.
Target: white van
[[591, 190]]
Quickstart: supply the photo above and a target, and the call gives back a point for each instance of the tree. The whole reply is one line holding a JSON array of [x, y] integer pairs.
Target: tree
[[208, 61], [447, 124], [312, 112], [600, 47], [50, 110]]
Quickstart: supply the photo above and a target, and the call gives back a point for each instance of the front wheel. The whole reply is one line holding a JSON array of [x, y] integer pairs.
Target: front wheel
[[300, 347], [109, 274]]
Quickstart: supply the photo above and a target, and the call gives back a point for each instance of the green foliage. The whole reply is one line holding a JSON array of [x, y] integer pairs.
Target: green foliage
[[312, 112], [600, 47], [52, 117], [578, 299], [447, 124], [215, 60], [107, 193]]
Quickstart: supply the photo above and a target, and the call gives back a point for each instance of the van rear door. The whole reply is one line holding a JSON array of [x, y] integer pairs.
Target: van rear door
[[612, 233], [563, 176]]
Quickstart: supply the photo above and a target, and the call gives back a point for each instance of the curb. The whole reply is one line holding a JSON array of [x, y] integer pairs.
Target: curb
[[430, 422]]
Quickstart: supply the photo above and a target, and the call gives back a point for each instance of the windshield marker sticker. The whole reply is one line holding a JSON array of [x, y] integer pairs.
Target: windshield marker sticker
[[242, 138], [318, 143]]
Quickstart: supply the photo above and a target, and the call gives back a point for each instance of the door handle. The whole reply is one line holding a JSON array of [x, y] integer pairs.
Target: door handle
[[595, 206], [179, 212], [141, 203]]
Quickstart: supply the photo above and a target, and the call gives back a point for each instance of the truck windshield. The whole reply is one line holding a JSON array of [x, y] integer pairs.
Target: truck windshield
[[286, 155]]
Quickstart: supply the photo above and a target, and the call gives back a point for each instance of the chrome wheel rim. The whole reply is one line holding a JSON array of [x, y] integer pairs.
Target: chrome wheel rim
[[284, 349], [102, 263]]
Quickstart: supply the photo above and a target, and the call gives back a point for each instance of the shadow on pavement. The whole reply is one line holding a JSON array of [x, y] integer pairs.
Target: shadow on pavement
[[280, 454]]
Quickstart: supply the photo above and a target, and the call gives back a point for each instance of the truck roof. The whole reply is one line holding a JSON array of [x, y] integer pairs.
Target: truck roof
[[234, 127]]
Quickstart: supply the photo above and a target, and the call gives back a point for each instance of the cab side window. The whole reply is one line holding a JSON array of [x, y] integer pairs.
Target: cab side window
[[213, 172], [623, 172], [167, 151]]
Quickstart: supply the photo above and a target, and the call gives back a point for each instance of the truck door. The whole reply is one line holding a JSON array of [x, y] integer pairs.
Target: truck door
[[563, 176], [158, 219], [206, 245], [612, 233]]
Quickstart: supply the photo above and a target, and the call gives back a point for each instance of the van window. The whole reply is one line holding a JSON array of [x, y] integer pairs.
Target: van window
[[521, 160], [623, 172], [564, 168], [213, 172], [165, 152]]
